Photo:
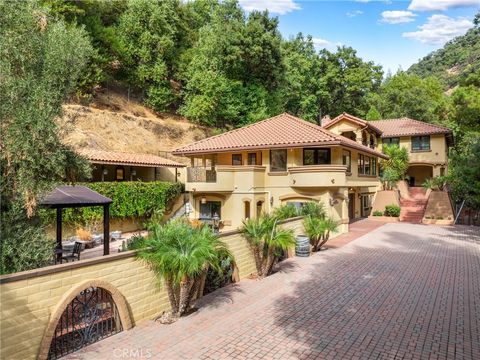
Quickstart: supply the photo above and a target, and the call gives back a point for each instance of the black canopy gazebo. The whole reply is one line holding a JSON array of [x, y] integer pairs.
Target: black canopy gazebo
[[69, 196]]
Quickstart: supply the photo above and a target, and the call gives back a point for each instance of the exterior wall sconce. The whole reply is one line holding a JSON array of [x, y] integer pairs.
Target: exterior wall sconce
[[105, 171], [134, 172], [203, 200], [333, 202]]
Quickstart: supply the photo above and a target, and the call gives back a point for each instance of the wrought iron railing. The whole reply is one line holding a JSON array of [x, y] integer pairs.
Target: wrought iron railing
[[199, 174], [91, 316]]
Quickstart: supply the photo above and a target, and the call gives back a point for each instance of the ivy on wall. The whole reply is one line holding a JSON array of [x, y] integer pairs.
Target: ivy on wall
[[130, 199]]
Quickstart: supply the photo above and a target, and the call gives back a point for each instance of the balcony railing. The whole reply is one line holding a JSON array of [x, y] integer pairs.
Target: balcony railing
[[199, 174]]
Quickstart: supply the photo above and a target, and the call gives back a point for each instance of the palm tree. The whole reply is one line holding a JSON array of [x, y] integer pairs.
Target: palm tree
[[266, 239], [253, 231], [314, 229], [395, 168], [276, 240], [329, 226], [318, 230], [179, 254]]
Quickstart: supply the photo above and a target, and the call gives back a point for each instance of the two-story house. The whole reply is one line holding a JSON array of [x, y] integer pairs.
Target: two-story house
[[283, 159], [427, 144]]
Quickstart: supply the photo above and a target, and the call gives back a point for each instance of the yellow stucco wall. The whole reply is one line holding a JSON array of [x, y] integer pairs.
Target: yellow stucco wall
[[436, 155], [236, 185], [27, 304], [439, 206]]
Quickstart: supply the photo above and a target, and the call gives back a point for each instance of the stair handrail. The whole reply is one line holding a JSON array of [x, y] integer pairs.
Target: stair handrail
[[459, 212]]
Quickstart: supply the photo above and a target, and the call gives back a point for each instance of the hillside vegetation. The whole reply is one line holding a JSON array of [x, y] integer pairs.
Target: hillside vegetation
[[114, 122], [453, 63]]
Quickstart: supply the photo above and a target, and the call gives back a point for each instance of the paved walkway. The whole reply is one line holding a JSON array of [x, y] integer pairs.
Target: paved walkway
[[402, 291]]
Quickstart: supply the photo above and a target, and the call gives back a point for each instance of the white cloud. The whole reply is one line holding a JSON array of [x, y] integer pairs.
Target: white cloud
[[397, 17], [280, 7], [430, 5], [363, 1], [439, 29], [320, 43], [354, 13]]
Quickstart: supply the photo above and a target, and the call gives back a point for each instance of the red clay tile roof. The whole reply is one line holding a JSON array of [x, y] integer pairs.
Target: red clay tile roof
[[353, 119], [280, 131], [119, 158], [407, 127]]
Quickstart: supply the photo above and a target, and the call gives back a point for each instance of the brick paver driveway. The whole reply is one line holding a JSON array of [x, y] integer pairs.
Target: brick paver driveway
[[402, 291]]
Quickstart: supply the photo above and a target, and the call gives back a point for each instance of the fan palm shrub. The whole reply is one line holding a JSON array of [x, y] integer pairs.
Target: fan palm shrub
[[318, 230], [267, 241], [180, 255]]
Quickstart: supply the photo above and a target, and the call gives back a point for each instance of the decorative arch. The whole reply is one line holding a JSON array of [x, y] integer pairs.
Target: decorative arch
[[59, 309]]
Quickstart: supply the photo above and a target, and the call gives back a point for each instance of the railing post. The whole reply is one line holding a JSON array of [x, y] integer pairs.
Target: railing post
[[106, 229]]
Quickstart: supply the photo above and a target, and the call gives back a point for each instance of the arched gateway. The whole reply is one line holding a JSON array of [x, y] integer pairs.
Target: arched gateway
[[90, 312]]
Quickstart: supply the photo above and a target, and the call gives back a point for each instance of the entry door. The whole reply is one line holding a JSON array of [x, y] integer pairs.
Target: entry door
[[351, 206]]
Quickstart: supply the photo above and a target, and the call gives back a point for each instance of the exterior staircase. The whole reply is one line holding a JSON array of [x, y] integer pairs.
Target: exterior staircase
[[413, 209]]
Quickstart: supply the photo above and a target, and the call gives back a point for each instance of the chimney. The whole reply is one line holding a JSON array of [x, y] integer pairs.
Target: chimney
[[325, 120]]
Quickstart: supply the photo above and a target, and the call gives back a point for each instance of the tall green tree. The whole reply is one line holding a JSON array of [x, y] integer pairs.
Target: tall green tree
[[373, 114], [346, 81], [149, 39], [301, 87], [236, 68], [404, 95], [464, 171], [100, 20], [42, 60]]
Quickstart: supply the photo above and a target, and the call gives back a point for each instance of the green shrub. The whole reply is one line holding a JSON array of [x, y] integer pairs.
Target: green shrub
[[286, 211], [129, 199], [392, 210], [312, 208], [436, 183], [378, 213], [136, 242], [439, 217]]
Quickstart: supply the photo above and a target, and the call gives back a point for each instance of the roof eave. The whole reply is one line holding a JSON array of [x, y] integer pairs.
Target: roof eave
[[126, 163]]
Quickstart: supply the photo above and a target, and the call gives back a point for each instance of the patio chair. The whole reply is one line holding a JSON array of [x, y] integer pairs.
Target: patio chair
[[75, 255]]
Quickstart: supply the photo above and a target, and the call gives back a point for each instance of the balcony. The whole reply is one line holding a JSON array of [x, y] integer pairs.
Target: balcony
[[199, 174], [318, 176], [225, 178]]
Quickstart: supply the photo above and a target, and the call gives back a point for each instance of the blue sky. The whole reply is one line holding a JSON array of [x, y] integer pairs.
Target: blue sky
[[391, 33]]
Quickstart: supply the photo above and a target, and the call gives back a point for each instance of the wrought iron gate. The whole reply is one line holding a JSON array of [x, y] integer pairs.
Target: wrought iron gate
[[91, 316]]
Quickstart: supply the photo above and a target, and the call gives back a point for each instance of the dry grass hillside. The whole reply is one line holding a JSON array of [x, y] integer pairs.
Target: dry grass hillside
[[111, 122]]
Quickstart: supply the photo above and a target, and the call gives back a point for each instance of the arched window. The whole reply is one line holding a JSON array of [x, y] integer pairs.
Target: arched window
[[246, 205], [92, 315], [259, 208]]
